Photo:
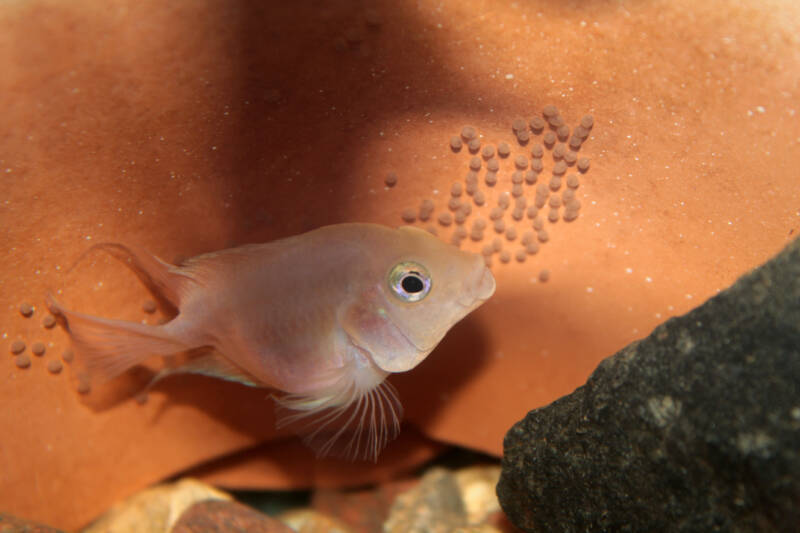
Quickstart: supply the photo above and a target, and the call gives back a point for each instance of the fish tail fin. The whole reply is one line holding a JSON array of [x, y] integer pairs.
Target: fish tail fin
[[165, 282], [109, 347]]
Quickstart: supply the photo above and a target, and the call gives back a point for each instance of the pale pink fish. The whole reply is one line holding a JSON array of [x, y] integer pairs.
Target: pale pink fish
[[323, 317]]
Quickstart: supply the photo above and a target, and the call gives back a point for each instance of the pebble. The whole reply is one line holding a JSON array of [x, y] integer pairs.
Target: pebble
[[517, 191], [83, 386], [587, 122], [543, 236], [38, 348], [549, 111], [555, 183], [518, 125], [532, 248], [499, 225], [559, 151], [456, 189], [17, 347], [537, 165], [532, 212], [488, 151], [531, 176], [523, 137], [511, 233], [562, 132], [552, 215], [426, 209]]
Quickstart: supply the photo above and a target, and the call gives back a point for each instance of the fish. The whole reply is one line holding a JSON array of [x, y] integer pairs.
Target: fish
[[322, 318]]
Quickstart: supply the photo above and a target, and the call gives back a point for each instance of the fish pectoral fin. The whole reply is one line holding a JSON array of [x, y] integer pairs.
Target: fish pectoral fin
[[349, 423], [214, 365]]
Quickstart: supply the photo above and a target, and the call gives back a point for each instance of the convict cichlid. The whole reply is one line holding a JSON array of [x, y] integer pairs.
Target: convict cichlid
[[323, 317]]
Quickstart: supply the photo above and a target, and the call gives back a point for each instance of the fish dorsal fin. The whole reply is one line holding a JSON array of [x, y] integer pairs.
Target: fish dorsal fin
[[214, 365], [343, 421]]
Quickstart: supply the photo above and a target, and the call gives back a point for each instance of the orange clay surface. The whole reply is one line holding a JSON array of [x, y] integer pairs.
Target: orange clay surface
[[190, 126]]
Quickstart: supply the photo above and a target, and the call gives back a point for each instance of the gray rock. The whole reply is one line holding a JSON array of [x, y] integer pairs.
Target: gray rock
[[695, 428]]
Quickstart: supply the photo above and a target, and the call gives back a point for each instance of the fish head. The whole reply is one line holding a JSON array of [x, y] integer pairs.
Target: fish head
[[423, 287]]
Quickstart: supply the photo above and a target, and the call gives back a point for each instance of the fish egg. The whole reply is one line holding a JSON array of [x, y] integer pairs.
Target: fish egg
[[68, 355], [426, 209], [456, 189], [521, 162], [83, 385], [504, 200], [537, 165], [521, 256], [455, 143], [575, 143], [532, 211], [531, 177], [491, 179], [455, 240], [587, 122], [479, 198], [570, 215], [468, 132], [497, 244], [536, 124], [432, 230], [556, 121], [526, 237], [552, 215], [25, 309], [517, 190], [581, 133], [503, 149], [511, 233], [445, 219], [460, 232], [568, 195], [391, 179], [493, 165], [17, 347], [555, 201], [487, 250], [570, 157], [505, 256], [487, 260], [544, 276], [22, 361], [453, 204], [555, 183], [532, 248], [475, 163], [460, 217], [518, 124], [488, 151], [573, 181], [549, 139], [54, 366], [470, 188], [476, 235], [474, 145], [583, 164], [409, 215], [518, 213], [523, 137], [472, 176], [537, 151], [574, 204], [520, 202], [499, 225], [558, 151], [559, 168], [479, 224], [496, 213], [38, 348], [516, 177], [562, 132], [538, 223], [542, 235], [549, 111], [466, 208]]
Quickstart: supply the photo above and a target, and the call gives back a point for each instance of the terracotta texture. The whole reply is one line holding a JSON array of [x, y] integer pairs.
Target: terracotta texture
[[189, 126]]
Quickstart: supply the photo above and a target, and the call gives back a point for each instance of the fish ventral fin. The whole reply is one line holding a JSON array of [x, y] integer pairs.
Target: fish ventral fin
[[214, 365], [344, 421]]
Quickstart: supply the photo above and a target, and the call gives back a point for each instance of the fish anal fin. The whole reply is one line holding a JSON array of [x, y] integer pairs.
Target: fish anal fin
[[213, 364]]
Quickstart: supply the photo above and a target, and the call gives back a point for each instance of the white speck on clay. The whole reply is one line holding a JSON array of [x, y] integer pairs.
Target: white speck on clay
[[445, 219], [409, 215]]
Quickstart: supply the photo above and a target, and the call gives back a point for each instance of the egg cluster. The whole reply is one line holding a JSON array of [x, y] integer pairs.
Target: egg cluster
[[506, 197]]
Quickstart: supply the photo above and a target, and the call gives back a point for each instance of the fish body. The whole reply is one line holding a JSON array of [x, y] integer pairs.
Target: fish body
[[323, 317]]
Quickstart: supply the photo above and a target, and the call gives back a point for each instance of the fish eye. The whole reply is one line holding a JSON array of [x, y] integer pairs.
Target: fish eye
[[410, 281]]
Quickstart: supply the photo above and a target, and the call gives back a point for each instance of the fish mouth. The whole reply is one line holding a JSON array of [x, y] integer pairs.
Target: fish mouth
[[479, 289]]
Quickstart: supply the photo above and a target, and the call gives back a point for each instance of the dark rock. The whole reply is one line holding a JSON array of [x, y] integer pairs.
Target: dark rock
[[12, 524], [219, 516], [695, 428]]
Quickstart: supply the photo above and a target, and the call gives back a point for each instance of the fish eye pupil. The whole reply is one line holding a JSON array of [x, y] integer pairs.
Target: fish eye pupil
[[412, 283]]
